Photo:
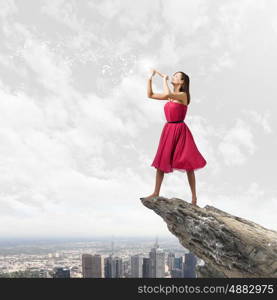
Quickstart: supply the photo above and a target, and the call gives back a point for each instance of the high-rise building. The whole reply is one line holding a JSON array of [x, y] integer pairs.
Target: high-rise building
[[87, 265], [170, 260], [118, 267], [176, 266], [157, 262], [178, 262], [176, 273], [113, 267], [136, 266], [146, 267], [97, 266], [126, 266], [92, 266], [109, 267], [61, 272], [189, 266], [160, 263]]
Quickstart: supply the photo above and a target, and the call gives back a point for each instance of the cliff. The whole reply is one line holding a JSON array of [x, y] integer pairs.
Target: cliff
[[229, 245]]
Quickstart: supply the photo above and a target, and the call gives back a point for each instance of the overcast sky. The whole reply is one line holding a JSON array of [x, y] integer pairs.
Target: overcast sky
[[78, 133]]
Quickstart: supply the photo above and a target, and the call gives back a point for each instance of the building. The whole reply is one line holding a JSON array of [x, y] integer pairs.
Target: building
[[146, 267], [109, 267], [118, 267], [92, 266], [87, 265], [176, 273], [136, 266], [126, 268], [178, 262], [97, 266], [157, 262], [43, 273], [189, 266], [170, 260], [61, 272], [113, 267]]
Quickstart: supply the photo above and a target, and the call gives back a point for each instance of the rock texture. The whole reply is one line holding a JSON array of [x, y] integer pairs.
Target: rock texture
[[229, 245]]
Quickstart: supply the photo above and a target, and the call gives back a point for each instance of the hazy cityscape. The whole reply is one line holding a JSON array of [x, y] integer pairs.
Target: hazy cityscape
[[97, 258]]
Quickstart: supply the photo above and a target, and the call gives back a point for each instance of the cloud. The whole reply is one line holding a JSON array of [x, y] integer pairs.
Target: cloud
[[261, 119], [234, 140], [250, 201], [8, 8]]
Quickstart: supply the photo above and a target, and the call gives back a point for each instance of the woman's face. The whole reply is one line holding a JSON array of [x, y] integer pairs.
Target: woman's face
[[176, 78]]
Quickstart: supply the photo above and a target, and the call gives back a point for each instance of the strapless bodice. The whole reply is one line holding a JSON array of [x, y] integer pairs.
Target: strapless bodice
[[175, 111]]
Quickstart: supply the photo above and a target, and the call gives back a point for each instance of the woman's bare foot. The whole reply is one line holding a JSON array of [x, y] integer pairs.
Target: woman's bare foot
[[194, 200], [150, 196]]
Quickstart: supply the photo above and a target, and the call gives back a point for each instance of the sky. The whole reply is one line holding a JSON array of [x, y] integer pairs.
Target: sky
[[78, 133]]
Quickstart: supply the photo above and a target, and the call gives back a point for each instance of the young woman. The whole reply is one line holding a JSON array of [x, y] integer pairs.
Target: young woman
[[177, 149]]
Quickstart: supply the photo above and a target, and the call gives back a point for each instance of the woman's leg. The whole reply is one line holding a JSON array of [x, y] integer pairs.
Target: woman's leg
[[159, 180], [191, 179]]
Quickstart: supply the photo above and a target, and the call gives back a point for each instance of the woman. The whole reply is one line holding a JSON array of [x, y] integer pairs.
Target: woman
[[177, 149]]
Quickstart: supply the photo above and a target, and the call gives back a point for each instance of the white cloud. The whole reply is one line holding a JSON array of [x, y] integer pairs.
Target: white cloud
[[250, 201], [238, 137], [261, 119], [52, 71], [8, 8]]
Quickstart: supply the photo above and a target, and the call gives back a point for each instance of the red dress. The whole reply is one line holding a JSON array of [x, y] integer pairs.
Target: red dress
[[177, 149]]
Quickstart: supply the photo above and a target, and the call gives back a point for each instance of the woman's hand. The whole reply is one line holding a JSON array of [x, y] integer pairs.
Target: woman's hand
[[162, 75], [152, 73]]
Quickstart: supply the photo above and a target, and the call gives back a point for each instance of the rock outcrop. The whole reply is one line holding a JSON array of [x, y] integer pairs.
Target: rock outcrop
[[229, 245]]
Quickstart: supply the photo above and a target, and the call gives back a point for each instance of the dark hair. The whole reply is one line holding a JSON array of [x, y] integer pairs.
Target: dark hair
[[185, 86]]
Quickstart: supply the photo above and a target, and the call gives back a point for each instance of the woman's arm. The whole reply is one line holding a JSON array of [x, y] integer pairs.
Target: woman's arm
[[167, 94], [159, 73], [150, 93], [165, 85], [167, 91], [149, 86]]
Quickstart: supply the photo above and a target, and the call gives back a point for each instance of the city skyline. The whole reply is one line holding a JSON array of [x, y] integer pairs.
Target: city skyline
[[97, 260]]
